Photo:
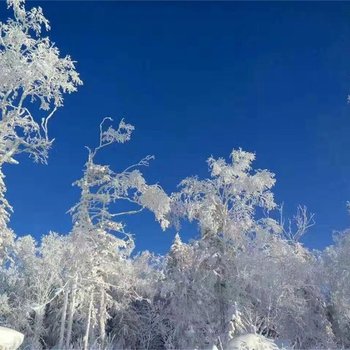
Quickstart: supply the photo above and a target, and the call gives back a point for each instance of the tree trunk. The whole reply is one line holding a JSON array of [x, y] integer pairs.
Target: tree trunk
[[6, 235], [38, 325], [102, 317], [222, 309], [220, 287], [87, 332], [63, 320], [71, 311]]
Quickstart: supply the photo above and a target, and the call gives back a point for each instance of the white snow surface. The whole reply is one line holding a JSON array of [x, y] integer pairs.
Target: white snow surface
[[251, 341], [10, 339]]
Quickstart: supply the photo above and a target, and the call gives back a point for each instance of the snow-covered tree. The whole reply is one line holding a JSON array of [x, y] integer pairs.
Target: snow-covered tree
[[101, 244], [33, 79], [245, 262], [336, 274], [225, 208], [226, 202], [31, 282], [246, 281]]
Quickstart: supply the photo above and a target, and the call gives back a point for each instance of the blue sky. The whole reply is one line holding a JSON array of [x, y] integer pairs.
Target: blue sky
[[198, 79]]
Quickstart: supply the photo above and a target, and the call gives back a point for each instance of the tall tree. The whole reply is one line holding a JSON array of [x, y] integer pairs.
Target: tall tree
[[101, 245], [33, 79]]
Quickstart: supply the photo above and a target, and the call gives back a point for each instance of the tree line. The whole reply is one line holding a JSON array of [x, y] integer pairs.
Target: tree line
[[247, 272]]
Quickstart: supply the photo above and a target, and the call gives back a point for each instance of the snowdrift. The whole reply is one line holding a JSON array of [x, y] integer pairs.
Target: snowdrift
[[251, 342], [10, 339]]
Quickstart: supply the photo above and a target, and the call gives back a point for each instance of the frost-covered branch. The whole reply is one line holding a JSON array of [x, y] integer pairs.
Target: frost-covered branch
[[101, 187], [31, 70], [299, 225], [111, 135], [32, 75], [225, 202]]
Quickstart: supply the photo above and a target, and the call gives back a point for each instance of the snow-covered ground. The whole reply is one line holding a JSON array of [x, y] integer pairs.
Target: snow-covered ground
[[251, 342], [10, 339]]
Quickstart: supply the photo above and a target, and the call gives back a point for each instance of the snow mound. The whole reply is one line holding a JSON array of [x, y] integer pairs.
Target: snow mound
[[284, 344], [10, 339], [251, 342], [213, 347]]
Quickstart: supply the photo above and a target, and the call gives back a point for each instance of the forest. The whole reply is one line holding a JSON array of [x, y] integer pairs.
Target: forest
[[246, 274]]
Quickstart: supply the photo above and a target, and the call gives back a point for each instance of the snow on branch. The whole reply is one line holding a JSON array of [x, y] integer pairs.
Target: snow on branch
[[226, 202], [33, 79], [111, 135], [101, 187], [296, 227], [31, 71]]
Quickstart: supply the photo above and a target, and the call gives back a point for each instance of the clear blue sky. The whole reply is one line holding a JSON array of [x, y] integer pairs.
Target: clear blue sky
[[198, 79]]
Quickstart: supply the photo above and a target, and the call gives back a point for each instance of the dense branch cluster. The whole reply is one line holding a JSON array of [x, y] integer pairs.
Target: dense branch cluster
[[246, 273]]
